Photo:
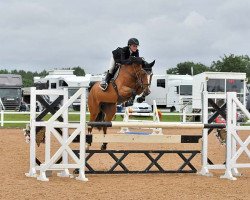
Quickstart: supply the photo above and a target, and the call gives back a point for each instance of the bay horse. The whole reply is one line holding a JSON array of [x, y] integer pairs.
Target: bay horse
[[133, 79]]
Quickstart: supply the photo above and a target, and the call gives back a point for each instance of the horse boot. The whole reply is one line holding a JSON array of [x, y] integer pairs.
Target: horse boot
[[130, 102], [104, 83]]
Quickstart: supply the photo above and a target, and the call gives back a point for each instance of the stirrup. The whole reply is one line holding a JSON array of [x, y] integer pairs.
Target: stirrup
[[103, 86]]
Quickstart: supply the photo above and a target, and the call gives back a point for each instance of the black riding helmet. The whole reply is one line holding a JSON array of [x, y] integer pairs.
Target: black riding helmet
[[133, 41]]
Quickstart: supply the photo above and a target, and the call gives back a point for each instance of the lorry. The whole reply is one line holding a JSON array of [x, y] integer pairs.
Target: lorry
[[171, 91], [218, 83], [10, 91], [59, 79]]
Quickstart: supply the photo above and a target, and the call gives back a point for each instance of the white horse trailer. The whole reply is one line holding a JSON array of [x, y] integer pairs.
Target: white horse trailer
[[218, 83], [59, 79], [170, 91]]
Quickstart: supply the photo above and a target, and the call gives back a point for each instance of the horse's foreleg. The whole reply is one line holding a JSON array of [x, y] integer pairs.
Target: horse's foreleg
[[143, 96]]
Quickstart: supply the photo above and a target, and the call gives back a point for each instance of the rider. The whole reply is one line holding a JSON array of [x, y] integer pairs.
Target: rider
[[120, 56]]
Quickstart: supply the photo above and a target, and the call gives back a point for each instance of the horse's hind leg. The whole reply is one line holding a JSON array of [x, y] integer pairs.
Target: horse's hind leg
[[109, 110], [104, 145]]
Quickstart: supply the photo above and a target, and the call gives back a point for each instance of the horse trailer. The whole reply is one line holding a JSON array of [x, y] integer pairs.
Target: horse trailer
[[218, 83], [171, 91]]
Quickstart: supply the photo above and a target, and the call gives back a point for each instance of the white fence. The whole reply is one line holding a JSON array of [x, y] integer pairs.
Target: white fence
[[4, 113]]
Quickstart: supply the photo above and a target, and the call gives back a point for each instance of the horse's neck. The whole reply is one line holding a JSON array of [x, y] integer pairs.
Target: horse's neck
[[126, 77]]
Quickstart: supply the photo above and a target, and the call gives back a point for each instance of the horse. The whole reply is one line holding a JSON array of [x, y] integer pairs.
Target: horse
[[133, 79]]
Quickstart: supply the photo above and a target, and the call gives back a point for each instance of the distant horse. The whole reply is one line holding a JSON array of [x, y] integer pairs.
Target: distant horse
[[133, 79]]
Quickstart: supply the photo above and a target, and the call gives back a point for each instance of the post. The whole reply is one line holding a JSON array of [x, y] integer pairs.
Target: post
[[65, 134], [228, 172], [235, 171], [2, 117], [82, 147], [32, 170], [184, 116], [204, 152]]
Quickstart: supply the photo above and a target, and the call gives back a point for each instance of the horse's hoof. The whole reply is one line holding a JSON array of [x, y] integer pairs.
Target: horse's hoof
[[103, 147], [76, 171]]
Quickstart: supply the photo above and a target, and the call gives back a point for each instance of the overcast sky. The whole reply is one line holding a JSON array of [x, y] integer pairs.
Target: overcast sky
[[47, 34]]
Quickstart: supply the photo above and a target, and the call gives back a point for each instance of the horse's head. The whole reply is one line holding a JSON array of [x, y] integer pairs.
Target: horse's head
[[147, 67], [139, 61], [143, 73]]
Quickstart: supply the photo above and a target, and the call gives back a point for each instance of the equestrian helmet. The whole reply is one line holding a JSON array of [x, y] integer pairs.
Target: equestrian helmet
[[132, 41]]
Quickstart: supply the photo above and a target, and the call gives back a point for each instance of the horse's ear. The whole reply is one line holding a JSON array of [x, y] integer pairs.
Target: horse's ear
[[152, 64]]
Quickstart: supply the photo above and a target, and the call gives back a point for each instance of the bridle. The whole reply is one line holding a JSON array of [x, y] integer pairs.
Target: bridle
[[138, 77]]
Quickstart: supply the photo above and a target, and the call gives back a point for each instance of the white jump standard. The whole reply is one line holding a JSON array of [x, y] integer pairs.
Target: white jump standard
[[65, 140]]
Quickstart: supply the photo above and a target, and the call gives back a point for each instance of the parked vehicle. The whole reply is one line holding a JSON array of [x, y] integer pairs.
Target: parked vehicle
[[59, 79], [10, 91], [141, 108], [218, 83], [171, 91]]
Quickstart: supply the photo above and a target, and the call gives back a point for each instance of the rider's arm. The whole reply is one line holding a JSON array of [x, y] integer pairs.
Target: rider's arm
[[123, 58], [130, 59]]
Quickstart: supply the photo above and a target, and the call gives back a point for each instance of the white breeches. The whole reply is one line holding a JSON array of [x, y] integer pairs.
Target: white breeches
[[111, 65]]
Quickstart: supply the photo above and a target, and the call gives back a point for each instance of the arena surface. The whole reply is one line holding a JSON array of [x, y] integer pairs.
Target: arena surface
[[15, 185]]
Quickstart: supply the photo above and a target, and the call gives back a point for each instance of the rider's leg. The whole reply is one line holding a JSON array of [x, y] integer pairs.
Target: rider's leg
[[104, 83], [112, 65]]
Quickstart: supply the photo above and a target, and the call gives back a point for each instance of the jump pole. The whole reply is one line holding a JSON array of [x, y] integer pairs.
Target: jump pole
[[169, 125], [146, 139]]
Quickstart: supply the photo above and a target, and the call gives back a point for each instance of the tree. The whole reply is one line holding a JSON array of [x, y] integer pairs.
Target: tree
[[185, 68], [233, 63], [79, 71], [27, 76]]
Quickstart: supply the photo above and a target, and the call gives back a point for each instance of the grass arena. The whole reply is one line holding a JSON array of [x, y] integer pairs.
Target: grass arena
[[15, 185]]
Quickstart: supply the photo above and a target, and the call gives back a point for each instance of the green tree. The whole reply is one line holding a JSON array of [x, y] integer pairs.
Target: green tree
[[185, 68], [4, 71], [233, 63], [78, 71], [27, 76]]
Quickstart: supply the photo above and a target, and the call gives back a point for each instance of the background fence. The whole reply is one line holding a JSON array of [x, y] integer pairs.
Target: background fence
[[13, 117]]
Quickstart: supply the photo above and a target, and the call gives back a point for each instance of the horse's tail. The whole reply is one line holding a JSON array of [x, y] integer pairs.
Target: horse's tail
[[100, 118]]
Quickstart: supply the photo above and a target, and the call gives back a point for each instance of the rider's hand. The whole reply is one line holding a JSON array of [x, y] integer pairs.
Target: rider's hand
[[133, 59]]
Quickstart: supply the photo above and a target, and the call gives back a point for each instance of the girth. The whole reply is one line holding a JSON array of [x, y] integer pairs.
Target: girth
[[120, 98]]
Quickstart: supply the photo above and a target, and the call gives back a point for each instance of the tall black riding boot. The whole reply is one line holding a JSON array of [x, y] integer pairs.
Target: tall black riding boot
[[104, 84]]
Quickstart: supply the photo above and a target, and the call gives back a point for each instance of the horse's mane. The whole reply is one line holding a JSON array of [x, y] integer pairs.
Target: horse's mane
[[91, 84], [136, 60]]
